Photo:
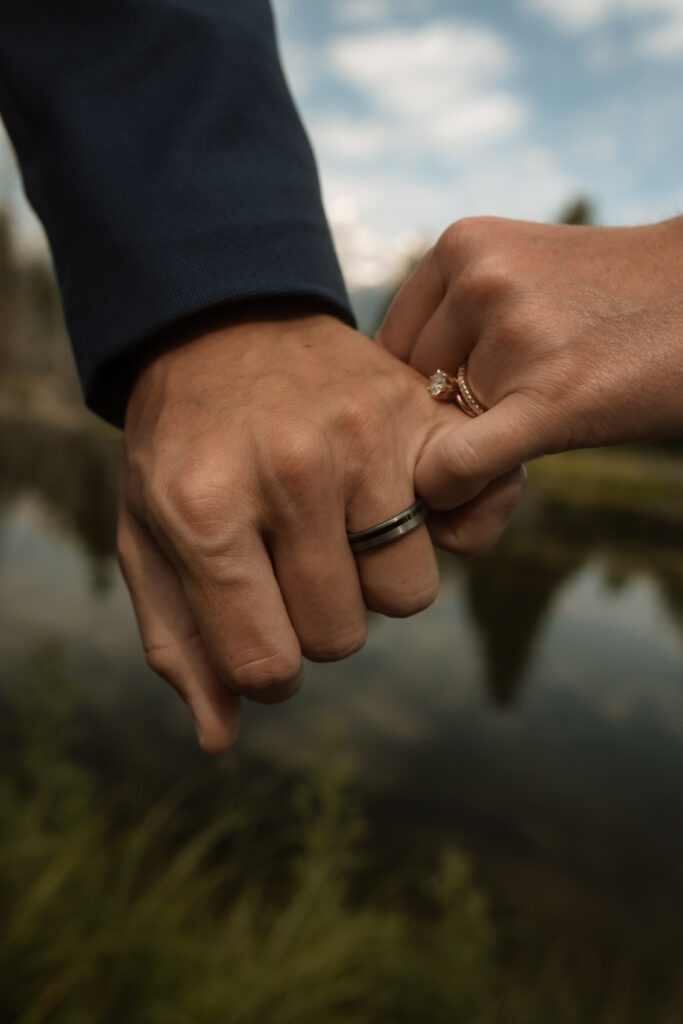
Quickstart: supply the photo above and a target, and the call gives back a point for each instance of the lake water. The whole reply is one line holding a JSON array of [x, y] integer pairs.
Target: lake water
[[533, 715]]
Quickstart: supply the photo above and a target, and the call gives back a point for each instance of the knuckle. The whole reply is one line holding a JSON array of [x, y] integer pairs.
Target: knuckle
[[470, 539], [509, 492], [361, 421], [463, 538], [193, 508], [471, 547], [299, 457], [508, 504], [461, 461], [134, 490], [163, 660], [473, 531], [455, 237], [487, 281], [124, 549], [449, 245], [357, 415], [191, 495], [463, 234], [399, 604], [336, 647], [515, 489], [133, 467], [267, 678]]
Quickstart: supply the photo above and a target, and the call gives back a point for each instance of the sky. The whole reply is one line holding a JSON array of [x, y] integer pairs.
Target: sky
[[424, 111]]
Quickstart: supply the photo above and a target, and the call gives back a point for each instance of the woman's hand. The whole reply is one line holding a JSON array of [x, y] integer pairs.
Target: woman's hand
[[573, 338]]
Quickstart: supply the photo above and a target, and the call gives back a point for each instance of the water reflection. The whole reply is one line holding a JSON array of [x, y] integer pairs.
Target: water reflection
[[74, 475], [508, 592], [511, 588], [569, 798]]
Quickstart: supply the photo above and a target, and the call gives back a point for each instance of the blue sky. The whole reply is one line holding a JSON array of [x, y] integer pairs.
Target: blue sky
[[423, 111]]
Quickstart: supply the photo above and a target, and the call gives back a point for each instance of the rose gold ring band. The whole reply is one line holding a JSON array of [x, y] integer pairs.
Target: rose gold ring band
[[446, 388]]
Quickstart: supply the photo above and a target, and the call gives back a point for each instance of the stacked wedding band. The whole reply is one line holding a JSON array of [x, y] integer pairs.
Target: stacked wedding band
[[390, 529], [446, 388]]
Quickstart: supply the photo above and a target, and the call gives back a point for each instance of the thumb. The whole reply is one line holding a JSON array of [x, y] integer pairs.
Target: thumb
[[455, 466]]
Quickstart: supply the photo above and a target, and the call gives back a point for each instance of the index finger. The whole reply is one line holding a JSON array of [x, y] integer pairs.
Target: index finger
[[413, 306]]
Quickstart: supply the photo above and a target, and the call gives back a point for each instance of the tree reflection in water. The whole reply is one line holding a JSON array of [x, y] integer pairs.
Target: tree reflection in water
[[73, 473], [509, 592], [569, 813], [511, 587]]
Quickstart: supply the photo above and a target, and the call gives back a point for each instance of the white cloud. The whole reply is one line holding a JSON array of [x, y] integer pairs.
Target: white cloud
[[360, 11], [660, 28], [369, 209], [440, 136], [8, 166], [368, 257], [481, 118], [666, 40], [27, 231], [574, 16], [441, 84], [353, 139], [363, 12]]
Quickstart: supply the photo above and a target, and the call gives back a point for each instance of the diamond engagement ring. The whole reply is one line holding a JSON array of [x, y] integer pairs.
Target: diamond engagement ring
[[446, 388], [390, 529]]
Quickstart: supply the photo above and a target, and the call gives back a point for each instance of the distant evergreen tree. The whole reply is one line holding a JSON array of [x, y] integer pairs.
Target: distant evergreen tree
[[578, 211]]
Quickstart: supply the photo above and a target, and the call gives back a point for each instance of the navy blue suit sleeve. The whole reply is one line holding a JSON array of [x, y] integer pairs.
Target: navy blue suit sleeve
[[161, 149]]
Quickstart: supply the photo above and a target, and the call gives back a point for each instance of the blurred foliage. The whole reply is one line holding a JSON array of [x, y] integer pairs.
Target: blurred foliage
[[35, 359], [161, 923], [578, 211], [633, 478]]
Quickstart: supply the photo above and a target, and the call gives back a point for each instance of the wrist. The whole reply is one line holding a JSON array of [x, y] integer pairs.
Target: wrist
[[235, 326]]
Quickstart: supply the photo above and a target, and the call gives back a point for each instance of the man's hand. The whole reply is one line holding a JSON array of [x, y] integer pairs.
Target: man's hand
[[573, 337], [249, 452]]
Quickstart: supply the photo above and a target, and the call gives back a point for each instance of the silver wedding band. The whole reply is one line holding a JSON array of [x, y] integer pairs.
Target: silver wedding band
[[390, 529]]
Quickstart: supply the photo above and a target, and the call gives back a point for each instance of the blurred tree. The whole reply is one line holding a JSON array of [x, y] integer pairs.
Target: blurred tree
[[510, 590], [7, 292], [34, 348], [578, 211], [74, 473]]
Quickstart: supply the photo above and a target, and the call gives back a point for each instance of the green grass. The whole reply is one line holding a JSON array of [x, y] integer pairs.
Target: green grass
[[222, 922], [632, 479]]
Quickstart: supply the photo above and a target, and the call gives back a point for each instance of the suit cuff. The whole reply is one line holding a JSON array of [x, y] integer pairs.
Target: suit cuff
[[159, 289]]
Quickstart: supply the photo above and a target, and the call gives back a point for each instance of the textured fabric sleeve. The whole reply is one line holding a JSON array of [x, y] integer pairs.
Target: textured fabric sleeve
[[162, 151]]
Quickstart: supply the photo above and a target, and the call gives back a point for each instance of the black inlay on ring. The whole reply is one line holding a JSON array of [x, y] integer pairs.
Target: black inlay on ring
[[379, 531]]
